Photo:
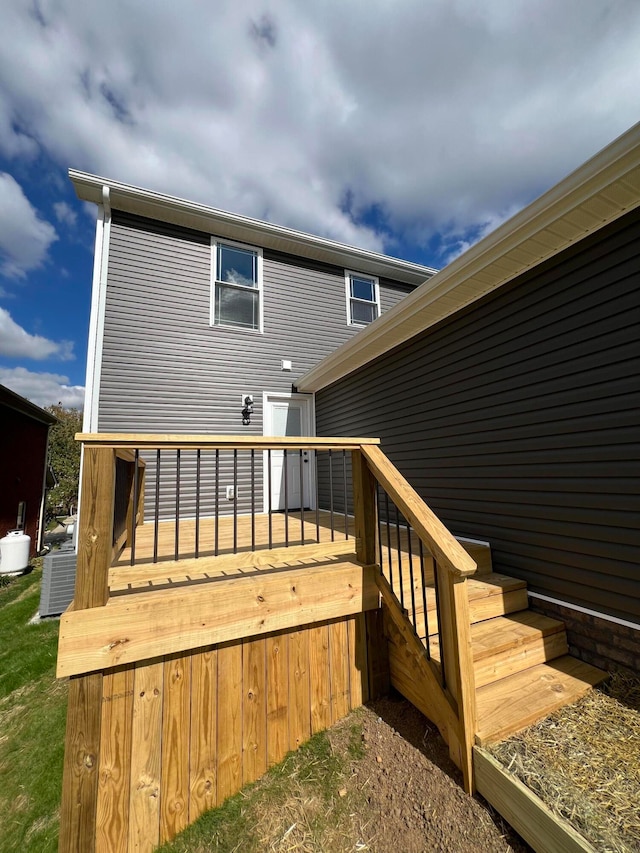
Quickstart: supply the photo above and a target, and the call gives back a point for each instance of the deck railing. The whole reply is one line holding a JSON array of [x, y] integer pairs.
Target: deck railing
[[153, 498], [189, 491]]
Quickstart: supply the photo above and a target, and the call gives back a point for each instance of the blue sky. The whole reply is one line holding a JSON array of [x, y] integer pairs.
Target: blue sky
[[412, 127]]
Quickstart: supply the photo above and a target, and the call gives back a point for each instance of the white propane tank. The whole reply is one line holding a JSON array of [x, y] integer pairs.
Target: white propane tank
[[14, 552]]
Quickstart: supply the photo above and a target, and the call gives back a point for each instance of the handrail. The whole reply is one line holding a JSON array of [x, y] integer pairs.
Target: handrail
[[445, 547], [175, 441], [452, 601]]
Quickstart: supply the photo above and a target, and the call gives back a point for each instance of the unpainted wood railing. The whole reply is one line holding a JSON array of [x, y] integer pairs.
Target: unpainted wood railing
[[115, 478]]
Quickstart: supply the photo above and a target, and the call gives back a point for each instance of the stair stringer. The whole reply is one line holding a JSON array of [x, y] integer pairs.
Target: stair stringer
[[413, 676]]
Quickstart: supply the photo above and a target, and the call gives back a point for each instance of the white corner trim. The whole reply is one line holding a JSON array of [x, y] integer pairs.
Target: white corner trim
[[615, 619], [96, 321]]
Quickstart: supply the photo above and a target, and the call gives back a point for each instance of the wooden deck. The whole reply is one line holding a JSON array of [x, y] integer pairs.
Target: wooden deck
[[228, 642]]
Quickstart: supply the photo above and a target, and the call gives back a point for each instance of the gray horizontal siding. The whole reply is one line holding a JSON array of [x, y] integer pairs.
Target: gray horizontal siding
[[165, 369], [517, 420]]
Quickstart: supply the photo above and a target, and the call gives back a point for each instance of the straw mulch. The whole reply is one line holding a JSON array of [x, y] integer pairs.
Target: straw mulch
[[584, 763]]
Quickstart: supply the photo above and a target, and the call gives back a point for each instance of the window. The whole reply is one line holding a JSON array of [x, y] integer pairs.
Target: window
[[237, 285], [363, 298]]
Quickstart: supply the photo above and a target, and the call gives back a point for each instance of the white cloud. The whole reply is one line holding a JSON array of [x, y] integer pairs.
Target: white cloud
[[43, 389], [16, 342], [65, 213], [456, 243], [24, 237], [443, 115]]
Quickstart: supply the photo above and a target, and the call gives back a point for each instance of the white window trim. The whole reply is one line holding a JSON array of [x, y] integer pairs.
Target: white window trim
[[214, 263], [347, 292]]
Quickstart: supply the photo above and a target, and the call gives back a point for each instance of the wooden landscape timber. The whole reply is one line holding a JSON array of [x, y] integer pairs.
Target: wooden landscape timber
[[525, 811]]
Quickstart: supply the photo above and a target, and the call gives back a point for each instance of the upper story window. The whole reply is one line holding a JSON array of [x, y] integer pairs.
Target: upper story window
[[237, 285], [363, 298]]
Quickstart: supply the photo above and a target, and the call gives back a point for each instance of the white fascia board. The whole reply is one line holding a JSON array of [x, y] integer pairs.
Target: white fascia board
[[557, 219], [179, 211]]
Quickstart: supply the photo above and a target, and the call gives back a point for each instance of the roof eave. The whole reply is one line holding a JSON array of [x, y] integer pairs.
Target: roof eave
[[177, 211], [601, 190], [20, 404]]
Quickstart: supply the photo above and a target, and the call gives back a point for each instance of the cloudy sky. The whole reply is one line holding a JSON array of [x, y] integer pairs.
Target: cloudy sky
[[411, 127]]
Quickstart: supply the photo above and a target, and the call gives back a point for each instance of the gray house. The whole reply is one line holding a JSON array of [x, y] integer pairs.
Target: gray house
[[507, 390], [201, 320]]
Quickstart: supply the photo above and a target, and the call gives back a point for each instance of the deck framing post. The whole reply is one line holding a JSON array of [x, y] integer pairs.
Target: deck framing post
[[82, 743]]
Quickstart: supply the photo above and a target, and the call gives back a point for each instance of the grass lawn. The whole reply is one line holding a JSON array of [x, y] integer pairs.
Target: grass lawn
[[304, 803], [33, 706]]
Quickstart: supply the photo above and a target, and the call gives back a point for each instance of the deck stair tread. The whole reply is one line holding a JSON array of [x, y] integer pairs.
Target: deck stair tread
[[520, 700]]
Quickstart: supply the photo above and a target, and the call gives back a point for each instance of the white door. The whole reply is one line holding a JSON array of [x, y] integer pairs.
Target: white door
[[288, 414]]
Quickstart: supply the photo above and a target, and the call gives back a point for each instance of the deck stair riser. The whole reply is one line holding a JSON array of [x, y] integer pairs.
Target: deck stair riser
[[494, 595]]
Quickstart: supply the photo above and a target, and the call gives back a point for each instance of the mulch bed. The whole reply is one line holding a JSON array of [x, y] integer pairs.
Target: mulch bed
[[584, 763]]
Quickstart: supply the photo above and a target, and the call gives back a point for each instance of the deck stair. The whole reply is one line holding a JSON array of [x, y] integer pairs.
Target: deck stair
[[522, 668]]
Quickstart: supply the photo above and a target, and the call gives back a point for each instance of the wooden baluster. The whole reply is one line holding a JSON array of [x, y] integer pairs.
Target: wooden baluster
[[82, 743]]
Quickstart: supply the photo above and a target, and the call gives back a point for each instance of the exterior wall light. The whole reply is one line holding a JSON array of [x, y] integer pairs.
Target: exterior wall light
[[247, 409]]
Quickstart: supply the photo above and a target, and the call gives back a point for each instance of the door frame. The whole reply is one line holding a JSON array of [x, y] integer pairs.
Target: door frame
[[279, 396]]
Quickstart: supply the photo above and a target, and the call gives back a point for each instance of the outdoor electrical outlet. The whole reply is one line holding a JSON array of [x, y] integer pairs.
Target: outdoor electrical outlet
[[231, 493]]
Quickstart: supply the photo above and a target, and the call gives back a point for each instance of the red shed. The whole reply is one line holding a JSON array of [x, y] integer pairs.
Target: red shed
[[24, 440]]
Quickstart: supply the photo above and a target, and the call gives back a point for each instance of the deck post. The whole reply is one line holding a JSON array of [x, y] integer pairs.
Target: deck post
[[458, 662], [366, 526], [364, 508], [82, 743]]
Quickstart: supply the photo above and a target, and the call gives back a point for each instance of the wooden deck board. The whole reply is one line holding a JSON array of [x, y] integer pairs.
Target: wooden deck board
[[282, 529], [148, 575]]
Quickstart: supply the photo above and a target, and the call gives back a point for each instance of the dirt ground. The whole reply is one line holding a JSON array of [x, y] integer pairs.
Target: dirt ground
[[415, 802]]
